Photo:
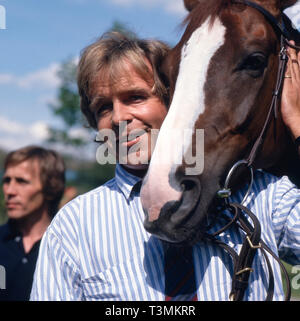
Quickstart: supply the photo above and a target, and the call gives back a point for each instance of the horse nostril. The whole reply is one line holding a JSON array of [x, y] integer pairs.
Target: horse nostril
[[191, 186], [188, 185], [190, 189]]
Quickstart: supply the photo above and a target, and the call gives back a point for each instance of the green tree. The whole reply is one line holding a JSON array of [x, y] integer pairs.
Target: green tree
[[122, 27], [67, 107]]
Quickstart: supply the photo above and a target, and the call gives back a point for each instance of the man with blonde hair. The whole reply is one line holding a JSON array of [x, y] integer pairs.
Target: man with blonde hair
[[96, 247]]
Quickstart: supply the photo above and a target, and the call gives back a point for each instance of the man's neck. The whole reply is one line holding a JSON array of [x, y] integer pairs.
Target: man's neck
[[136, 171], [33, 227]]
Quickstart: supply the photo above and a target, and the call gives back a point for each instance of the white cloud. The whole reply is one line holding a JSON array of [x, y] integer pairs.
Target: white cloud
[[46, 77], [42, 78], [39, 130], [15, 135], [6, 79], [176, 7], [79, 133], [10, 127]]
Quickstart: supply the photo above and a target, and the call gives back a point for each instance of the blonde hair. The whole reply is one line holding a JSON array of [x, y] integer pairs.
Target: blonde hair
[[106, 58]]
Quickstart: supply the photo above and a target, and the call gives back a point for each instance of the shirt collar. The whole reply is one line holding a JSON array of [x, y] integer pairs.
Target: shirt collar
[[11, 230], [126, 182]]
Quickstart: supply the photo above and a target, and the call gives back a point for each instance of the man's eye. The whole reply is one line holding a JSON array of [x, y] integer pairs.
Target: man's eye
[[22, 181], [5, 180], [137, 98], [103, 108]]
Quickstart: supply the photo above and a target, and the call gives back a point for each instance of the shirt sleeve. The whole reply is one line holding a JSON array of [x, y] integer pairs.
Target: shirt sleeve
[[286, 220], [57, 275]]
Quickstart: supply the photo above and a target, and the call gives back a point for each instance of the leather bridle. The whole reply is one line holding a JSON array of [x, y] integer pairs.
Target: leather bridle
[[240, 215]]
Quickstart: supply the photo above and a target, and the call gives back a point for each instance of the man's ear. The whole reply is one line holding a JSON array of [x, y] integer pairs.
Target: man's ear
[[190, 4], [287, 3]]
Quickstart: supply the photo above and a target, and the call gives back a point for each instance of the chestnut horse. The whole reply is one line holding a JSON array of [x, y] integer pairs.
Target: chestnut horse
[[222, 76]]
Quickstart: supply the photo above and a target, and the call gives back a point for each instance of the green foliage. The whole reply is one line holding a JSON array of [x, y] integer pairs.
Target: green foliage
[[121, 27], [62, 136], [90, 176], [67, 107]]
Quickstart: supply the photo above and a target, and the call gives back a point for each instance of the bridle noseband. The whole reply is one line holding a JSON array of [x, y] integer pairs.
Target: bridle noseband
[[240, 215]]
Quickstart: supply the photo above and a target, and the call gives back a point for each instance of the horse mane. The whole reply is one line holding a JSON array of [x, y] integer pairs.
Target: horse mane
[[208, 8]]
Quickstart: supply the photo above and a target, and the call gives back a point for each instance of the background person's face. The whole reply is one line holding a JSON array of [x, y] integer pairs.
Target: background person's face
[[22, 189], [131, 102]]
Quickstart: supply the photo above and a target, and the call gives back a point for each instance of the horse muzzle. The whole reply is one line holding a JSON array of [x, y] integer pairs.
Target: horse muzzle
[[170, 208]]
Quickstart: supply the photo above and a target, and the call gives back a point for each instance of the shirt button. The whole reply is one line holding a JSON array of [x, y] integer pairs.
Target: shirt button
[[18, 238], [24, 260]]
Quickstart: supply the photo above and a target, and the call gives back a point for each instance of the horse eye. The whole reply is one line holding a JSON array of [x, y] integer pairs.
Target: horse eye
[[254, 64]]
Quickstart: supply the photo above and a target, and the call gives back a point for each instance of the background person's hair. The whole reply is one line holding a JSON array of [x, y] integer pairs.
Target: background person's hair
[[52, 171], [106, 57]]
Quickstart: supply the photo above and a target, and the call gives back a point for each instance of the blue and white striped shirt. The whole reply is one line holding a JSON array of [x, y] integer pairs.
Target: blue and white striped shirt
[[96, 247]]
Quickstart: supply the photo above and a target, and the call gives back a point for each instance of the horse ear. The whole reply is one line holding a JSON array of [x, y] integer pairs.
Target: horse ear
[[190, 4], [287, 3]]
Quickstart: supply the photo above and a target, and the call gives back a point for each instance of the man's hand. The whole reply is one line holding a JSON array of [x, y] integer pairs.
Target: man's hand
[[290, 103]]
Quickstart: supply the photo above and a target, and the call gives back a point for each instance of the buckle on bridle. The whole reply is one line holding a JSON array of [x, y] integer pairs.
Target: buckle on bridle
[[282, 54], [247, 269], [251, 244], [225, 192]]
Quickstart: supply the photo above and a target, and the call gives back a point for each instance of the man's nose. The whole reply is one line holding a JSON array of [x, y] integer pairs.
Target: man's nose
[[9, 188], [120, 113]]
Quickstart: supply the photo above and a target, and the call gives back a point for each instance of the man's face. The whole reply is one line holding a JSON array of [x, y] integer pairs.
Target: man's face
[[22, 189], [132, 112]]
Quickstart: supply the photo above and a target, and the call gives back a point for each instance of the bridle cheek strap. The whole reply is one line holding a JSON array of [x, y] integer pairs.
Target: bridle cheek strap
[[284, 35], [273, 110], [253, 242]]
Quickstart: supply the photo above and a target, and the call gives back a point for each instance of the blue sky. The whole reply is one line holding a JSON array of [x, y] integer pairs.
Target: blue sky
[[39, 35]]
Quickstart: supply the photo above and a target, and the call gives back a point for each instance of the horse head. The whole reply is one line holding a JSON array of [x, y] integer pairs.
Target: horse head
[[222, 75]]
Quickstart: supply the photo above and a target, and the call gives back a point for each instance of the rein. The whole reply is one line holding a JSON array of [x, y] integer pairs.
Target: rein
[[240, 215]]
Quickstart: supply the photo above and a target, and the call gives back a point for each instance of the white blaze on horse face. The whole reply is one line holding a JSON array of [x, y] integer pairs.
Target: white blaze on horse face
[[187, 105]]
